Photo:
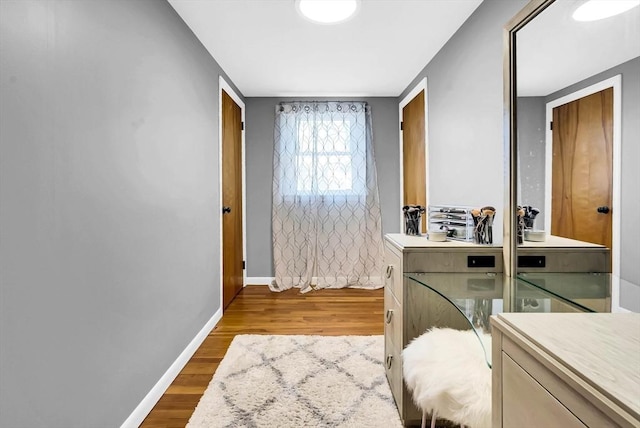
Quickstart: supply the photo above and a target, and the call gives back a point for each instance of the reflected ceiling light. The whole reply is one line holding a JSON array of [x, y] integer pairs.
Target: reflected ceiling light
[[600, 9], [327, 11]]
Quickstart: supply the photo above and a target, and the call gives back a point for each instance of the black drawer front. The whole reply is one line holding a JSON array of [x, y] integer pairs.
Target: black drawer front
[[481, 261], [532, 261]]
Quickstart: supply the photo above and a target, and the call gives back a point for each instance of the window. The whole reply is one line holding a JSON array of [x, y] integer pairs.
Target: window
[[330, 157]]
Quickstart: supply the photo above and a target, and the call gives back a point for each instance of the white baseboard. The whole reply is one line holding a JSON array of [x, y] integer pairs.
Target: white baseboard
[[266, 280], [142, 410], [259, 280]]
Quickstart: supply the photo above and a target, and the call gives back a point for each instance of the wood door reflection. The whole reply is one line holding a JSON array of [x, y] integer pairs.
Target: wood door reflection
[[413, 154], [582, 171]]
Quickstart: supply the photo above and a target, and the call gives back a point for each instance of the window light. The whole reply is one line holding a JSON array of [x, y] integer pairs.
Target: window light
[[327, 11], [594, 10]]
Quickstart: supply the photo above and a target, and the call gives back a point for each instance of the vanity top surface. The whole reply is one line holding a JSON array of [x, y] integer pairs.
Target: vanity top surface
[[601, 349], [402, 241], [552, 241]]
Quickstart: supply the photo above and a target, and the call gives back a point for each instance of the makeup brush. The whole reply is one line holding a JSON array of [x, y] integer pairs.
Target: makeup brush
[[488, 213], [530, 216], [475, 214]]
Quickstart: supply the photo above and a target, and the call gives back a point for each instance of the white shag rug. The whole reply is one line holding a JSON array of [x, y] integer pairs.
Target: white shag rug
[[299, 381]]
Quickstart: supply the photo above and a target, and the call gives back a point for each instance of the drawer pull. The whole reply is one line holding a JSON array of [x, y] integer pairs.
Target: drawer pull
[[389, 315], [389, 361], [389, 271]]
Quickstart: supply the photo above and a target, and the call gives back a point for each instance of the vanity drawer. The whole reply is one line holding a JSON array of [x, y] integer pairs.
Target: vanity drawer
[[455, 260], [526, 403], [566, 393], [393, 368], [564, 259], [393, 273], [392, 317]]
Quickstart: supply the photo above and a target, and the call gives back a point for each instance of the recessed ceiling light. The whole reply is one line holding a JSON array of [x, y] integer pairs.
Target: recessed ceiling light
[[327, 11], [600, 9]]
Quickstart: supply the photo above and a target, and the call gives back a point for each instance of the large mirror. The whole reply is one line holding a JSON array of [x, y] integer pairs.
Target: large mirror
[[575, 139]]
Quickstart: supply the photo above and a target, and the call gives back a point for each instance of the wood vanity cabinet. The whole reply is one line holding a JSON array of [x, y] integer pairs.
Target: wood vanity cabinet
[[557, 254], [410, 309], [565, 370]]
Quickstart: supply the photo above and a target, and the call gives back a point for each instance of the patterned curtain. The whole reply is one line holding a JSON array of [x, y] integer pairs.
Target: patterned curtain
[[327, 229]]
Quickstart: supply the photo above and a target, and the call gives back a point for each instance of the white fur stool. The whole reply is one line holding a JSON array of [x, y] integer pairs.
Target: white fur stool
[[448, 376]]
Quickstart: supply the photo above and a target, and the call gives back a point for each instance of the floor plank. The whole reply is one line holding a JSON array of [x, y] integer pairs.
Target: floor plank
[[256, 310]]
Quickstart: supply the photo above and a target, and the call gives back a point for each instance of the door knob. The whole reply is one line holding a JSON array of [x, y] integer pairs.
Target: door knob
[[603, 210], [226, 210]]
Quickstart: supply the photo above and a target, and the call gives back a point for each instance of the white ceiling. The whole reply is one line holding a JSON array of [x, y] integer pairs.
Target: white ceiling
[[268, 49], [555, 51]]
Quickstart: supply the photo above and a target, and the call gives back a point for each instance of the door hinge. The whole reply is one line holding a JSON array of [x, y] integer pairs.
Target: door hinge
[[402, 126], [551, 126], [242, 126], [244, 265]]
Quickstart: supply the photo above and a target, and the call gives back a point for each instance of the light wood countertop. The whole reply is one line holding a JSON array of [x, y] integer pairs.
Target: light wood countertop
[[402, 241], [409, 241], [601, 349], [552, 241]]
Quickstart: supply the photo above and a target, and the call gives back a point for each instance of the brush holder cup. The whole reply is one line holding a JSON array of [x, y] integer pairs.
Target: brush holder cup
[[413, 219], [529, 216], [483, 225]]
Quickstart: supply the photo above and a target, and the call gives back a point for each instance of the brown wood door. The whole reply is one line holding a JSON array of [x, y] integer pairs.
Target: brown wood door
[[582, 172], [413, 154], [232, 245]]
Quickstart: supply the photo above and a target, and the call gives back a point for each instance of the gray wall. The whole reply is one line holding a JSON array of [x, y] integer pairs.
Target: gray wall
[[260, 117], [630, 202], [465, 111], [531, 154], [109, 257]]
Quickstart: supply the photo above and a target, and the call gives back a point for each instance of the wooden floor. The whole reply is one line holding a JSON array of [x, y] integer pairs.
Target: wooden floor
[[256, 310]]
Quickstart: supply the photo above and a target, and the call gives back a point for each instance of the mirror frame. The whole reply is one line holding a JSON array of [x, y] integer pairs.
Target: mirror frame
[[510, 235]]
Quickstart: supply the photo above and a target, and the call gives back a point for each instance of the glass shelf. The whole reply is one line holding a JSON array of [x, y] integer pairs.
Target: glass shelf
[[589, 291], [465, 301]]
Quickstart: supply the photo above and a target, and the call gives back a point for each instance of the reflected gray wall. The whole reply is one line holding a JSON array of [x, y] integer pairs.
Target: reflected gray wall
[[531, 154], [260, 117], [630, 296], [465, 111], [109, 219]]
